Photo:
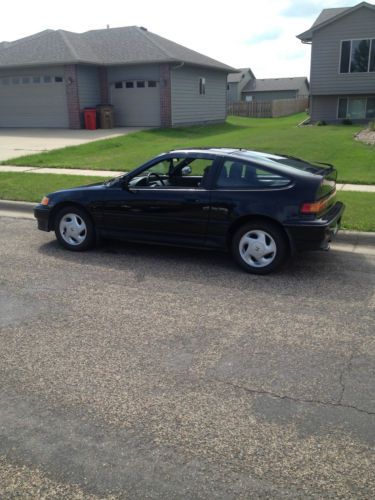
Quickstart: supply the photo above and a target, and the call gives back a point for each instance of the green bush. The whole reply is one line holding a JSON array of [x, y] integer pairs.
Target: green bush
[[371, 126], [347, 121], [321, 123]]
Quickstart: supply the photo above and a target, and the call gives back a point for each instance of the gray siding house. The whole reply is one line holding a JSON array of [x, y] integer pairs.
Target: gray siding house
[[47, 79], [236, 83], [269, 89], [342, 77]]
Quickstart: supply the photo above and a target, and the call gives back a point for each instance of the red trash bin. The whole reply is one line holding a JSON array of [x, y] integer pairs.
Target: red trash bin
[[90, 118]]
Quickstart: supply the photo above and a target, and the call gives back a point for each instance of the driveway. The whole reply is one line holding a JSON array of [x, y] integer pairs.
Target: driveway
[[152, 372], [24, 141]]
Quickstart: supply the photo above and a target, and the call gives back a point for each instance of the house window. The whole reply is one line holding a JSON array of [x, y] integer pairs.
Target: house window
[[58, 79], [357, 56], [152, 83], [47, 79], [129, 85], [356, 108], [140, 84], [118, 85], [25, 79], [202, 86], [36, 79], [15, 80]]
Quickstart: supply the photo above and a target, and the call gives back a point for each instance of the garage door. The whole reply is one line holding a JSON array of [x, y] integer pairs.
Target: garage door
[[136, 103], [33, 101]]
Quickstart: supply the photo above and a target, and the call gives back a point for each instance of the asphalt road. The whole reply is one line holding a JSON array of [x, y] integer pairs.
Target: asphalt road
[[148, 372]]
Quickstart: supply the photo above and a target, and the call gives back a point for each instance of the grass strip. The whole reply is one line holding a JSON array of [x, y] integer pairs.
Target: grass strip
[[32, 187]]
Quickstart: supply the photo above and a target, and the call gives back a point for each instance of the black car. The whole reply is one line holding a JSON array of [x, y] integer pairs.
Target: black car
[[262, 207]]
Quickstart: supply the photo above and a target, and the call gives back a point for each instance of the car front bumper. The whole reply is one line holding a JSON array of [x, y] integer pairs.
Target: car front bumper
[[42, 214], [316, 234]]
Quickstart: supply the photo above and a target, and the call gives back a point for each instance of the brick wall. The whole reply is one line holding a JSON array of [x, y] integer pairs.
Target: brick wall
[[165, 96], [72, 97]]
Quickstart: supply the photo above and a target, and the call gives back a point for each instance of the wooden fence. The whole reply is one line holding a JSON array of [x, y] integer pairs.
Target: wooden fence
[[268, 109]]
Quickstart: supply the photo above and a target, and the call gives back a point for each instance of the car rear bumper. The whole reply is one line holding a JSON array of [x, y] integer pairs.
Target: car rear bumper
[[316, 234], [42, 215]]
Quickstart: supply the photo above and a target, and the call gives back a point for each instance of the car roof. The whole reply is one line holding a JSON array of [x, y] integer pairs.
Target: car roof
[[265, 159]]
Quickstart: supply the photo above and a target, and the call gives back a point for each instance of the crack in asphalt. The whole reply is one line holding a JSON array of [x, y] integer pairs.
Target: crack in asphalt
[[259, 392], [345, 370]]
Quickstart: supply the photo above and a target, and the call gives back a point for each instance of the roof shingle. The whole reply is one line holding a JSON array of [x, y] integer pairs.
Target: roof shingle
[[128, 45], [275, 84]]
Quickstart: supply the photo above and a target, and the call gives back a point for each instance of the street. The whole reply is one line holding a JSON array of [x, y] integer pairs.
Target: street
[[150, 372]]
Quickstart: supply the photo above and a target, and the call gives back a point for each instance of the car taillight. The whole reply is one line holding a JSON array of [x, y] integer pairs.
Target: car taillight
[[316, 206]]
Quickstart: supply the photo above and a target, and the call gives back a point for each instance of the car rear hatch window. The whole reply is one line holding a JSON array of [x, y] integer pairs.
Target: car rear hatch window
[[328, 172], [325, 196]]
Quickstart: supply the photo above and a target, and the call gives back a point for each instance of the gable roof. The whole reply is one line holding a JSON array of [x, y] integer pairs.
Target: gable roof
[[275, 84], [328, 16], [128, 45], [240, 73]]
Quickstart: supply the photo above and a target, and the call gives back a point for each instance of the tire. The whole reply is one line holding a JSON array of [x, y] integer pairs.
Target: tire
[[74, 229], [259, 247]]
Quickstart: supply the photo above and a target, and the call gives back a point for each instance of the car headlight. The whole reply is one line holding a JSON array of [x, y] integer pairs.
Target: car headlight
[[45, 201]]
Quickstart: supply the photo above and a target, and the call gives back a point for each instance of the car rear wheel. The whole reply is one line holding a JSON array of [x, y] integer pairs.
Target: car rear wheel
[[74, 229], [259, 247]]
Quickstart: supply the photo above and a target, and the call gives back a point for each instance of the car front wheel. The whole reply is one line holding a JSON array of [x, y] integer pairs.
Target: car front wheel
[[259, 247], [74, 229]]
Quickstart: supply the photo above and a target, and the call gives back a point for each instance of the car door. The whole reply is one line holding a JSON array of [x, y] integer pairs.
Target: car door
[[164, 213]]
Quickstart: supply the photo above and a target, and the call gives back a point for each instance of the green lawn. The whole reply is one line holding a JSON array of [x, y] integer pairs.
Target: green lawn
[[32, 187], [333, 144], [359, 214]]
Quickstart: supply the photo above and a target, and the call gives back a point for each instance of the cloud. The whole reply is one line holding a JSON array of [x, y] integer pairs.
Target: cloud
[[299, 9], [292, 56], [273, 34]]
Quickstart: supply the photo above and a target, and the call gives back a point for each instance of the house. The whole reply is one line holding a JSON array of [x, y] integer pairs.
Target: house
[[269, 89], [47, 79], [342, 80], [236, 82]]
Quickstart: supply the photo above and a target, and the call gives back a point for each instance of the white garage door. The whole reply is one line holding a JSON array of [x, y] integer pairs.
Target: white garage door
[[136, 103], [33, 101]]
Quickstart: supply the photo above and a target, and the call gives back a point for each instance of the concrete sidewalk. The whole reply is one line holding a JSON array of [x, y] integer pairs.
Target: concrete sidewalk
[[365, 188]]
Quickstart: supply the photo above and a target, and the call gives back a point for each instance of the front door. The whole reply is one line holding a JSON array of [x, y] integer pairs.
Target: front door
[[167, 202]]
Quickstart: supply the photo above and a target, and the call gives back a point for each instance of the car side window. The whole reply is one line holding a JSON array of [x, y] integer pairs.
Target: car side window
[[161, 168], [173, 173], [237, 174]]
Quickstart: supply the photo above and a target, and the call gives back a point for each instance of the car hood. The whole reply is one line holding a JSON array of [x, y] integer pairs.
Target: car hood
[[85, 187]]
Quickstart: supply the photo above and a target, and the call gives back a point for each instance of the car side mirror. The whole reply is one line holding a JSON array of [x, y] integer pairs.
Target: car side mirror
[[186, 170], [125, 184]]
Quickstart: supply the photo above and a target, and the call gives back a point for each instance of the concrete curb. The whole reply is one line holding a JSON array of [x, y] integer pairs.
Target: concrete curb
[[17, 206]]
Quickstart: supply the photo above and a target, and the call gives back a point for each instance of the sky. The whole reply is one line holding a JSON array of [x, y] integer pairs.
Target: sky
[[258, 34]]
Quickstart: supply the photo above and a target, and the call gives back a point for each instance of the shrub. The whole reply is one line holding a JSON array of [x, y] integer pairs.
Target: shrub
[[347, 121], [321, 123], [371, 126]]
